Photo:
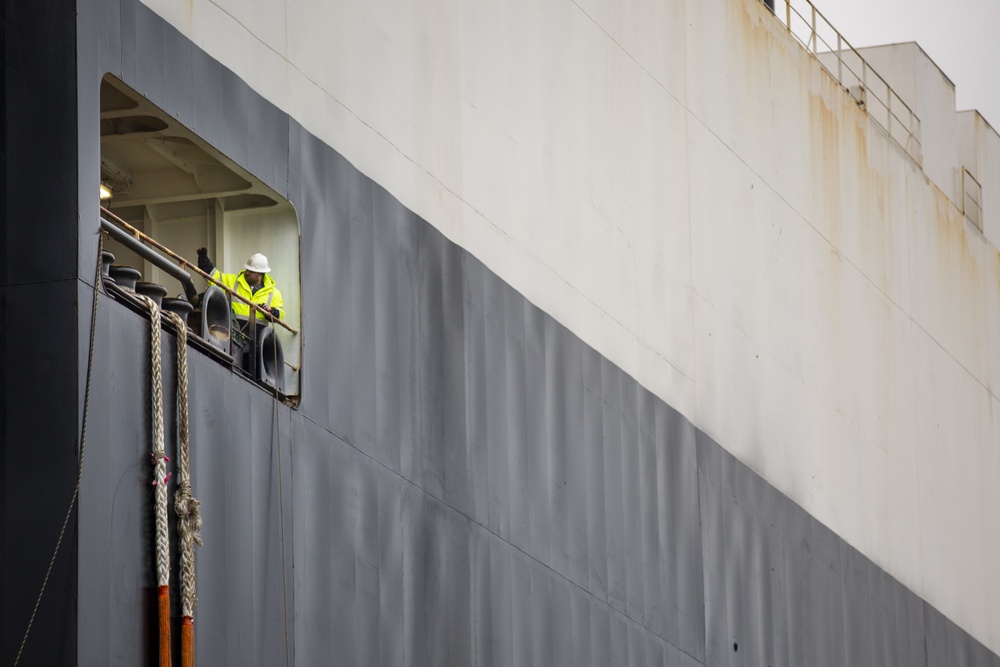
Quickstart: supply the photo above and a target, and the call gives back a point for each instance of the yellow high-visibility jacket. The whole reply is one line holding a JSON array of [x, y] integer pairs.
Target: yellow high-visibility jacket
[[266, 295]]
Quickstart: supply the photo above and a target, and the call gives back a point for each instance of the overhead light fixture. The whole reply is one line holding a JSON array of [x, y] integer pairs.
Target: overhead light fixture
[[106, 192]]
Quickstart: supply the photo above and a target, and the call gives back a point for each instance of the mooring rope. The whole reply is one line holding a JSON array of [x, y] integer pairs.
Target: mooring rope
[[83, 442], [281, 494], [186, 506], [160, 477]]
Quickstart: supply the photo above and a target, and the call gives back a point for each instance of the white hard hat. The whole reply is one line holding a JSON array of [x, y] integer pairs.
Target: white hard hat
[[257, 263]]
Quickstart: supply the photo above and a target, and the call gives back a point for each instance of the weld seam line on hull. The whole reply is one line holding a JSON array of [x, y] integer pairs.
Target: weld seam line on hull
[[83, 441], [488, 530]]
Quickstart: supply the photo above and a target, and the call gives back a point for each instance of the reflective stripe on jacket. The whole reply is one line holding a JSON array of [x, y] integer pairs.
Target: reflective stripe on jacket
[[266, 295]]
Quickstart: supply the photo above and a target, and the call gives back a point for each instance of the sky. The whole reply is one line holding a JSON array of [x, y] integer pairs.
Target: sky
[[960, 36]]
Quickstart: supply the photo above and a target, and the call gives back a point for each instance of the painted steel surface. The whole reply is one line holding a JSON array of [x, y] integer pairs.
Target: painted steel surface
[[688, 190], [466, 481], [39, 388]]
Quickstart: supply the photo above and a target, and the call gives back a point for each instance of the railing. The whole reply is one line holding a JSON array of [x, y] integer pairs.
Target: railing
[[808, 25], [972, 199]]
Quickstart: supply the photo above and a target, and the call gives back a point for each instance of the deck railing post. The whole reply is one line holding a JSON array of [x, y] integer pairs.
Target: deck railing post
[[840, 61], [888, 107], [864, 81], [813, 37], [965, 193]]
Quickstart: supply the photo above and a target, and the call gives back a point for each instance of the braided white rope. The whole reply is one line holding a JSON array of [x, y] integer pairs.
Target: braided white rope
[[186, 506], [159, 456]]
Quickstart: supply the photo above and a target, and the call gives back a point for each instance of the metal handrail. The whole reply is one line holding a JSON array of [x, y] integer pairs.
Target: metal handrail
[[972, 191], [185, 264], [873, 90]]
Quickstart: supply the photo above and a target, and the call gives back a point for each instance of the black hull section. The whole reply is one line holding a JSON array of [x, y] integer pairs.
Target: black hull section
[[464, 483]]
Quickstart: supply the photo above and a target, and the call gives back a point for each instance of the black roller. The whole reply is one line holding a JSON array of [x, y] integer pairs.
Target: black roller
[[216, 318], [270, 360]]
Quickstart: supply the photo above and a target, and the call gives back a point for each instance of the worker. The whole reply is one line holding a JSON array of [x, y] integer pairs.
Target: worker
[[253, 284]]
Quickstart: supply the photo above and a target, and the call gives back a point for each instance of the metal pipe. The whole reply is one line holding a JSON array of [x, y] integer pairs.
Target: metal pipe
[[133, 244]]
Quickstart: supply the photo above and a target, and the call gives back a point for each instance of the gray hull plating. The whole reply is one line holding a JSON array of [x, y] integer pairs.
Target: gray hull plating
[[465, 482]]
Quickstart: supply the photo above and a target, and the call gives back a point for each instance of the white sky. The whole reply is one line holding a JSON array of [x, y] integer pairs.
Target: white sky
[[960, 36]]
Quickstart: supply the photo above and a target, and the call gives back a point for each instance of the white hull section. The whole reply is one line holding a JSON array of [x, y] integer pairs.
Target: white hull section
[[687, 190]]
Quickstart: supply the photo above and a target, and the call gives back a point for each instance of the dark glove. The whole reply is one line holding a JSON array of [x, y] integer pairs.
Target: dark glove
[[204, 263]]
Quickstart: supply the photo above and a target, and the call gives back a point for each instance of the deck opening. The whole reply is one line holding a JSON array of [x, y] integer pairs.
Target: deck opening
[[171, 185]]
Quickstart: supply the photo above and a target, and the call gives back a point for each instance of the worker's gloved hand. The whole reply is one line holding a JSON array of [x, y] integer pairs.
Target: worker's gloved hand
[[204, 263]]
